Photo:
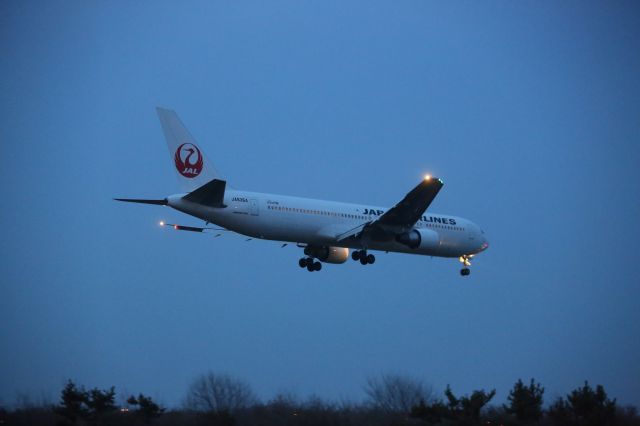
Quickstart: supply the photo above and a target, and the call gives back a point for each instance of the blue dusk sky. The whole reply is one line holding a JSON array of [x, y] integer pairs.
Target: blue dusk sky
[[529, 112]]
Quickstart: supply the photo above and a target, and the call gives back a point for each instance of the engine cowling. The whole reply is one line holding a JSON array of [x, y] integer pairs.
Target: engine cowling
[[328, 254], [419, 239]]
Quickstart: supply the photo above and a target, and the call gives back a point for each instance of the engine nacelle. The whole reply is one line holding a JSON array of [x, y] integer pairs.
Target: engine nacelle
[[328, 254], [419, 239]]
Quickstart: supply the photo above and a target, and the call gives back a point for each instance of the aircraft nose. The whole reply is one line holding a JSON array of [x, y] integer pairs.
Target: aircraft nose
[[485, 243]]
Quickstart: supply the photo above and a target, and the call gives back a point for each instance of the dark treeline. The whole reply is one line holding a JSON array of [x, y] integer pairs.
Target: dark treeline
[[218, 399]]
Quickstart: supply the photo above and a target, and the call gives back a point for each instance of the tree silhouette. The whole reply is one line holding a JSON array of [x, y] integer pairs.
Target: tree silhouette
[[147, 408], [221, 400], [77, 403], [396, 393], [467, 408], [560, 413], [100, 402], [525, 402], [584, 407], [432, 413], [219, 393], [72, 403]]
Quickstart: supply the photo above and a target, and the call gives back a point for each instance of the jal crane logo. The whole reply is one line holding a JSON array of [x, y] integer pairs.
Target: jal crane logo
[[188, 160]]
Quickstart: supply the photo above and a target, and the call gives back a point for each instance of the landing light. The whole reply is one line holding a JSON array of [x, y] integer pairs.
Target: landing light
[[427, 177], [162, 223]]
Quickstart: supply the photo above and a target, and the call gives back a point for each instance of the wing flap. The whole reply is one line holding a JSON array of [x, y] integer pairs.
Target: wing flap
[[351, 232]]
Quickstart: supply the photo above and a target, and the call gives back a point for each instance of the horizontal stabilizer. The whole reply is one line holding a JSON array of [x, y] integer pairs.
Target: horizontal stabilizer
[[162, 202], [210, 194]]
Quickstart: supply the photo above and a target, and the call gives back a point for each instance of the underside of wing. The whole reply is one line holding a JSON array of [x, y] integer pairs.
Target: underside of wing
[[408, 211], [404, 215]]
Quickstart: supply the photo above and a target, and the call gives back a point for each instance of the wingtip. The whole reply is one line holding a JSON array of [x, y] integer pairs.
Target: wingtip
[[429, 178]]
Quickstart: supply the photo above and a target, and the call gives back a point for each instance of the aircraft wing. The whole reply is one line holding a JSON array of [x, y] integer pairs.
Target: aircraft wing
[[400, 217], [408, 211]]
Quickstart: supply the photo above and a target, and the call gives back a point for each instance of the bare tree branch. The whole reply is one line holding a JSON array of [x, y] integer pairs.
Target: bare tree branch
[[219, 393], [396, 393]]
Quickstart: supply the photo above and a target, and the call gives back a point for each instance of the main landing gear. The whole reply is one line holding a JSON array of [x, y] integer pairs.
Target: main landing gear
[[466, 261], [363, 257], [307, 262]]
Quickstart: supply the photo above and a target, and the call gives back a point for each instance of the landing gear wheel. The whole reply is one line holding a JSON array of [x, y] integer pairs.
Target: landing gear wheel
[[310, 268], [355, 255], [317, 266], [364, 260], [303, 262], [465, 259], [309, 262], [371, 259]]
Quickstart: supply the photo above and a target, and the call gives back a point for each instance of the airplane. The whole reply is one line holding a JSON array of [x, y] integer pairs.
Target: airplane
[[328, 231]]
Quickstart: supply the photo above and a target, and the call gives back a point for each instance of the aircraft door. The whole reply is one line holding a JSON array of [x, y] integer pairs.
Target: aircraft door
[[254, 209]]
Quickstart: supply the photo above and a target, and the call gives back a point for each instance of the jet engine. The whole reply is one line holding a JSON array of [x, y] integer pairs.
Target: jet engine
[[328, 254], [419, 239]]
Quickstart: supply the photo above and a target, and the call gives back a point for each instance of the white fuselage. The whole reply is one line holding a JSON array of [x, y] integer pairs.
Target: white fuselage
[[319, 223]]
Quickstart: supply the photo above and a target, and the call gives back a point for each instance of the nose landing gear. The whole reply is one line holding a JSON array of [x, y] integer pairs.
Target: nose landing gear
[[307, 262], [363, 257], [466, 261]]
